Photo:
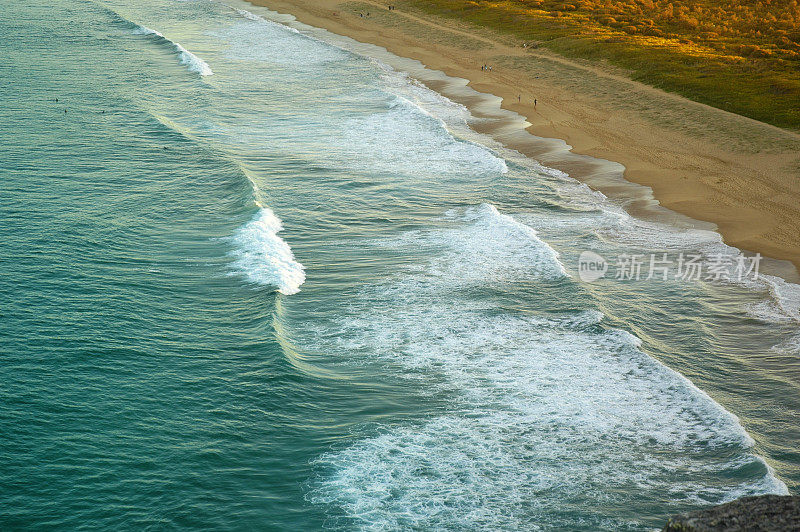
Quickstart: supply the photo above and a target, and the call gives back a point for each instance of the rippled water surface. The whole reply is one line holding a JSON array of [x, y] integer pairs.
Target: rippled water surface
[[256, 280]]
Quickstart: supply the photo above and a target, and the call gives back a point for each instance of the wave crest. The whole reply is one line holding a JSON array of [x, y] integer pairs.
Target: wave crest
[[264, 257], [187, 58]]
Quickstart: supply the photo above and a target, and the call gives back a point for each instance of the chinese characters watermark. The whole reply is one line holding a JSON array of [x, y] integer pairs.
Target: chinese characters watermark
[[665, 266]]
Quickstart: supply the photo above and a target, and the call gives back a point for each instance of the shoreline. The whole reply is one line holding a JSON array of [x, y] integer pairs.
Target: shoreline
[[661, 155]]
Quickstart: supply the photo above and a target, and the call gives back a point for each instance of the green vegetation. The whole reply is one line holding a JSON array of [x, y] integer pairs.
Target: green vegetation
[[741, 56]]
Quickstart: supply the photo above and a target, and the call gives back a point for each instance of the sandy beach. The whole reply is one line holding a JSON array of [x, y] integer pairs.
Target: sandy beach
[[711, 165]]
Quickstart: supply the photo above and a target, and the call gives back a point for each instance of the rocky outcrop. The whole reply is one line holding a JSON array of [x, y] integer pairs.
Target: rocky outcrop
[[763, 513]]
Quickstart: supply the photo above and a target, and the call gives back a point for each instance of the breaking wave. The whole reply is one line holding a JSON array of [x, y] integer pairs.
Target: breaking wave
[[187, 58], [265, 258]]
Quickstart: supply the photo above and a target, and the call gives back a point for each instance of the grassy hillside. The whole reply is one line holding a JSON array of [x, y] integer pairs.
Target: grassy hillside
[[740, 56]]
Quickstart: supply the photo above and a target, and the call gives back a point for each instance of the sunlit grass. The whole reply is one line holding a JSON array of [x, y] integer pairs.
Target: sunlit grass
[[743, 57]]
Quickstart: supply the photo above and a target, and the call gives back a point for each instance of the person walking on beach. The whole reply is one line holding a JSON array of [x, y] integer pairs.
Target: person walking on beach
[[519, 98], [534, 103]]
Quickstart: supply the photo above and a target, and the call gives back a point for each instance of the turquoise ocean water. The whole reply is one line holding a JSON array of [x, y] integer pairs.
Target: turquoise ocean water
[[253, 280]]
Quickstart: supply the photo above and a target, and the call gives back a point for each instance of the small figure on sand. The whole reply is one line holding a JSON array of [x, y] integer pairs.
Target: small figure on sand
[[519, 98], [534, 103]]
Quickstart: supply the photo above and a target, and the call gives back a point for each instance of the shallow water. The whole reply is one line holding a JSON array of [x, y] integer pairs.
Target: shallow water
[[257, 280]]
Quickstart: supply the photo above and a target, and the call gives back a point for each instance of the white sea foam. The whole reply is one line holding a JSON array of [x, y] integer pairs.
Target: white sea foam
[[499, 473], [264, 257], [407, 140], [402, 85], [252, 16], [451, 117], [403, 138], [483, 247], [258, 39], [551, 415], [187, 58], [634, 235], [547, 412], [782, 304], [194, 63], [248, 15]]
